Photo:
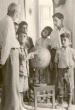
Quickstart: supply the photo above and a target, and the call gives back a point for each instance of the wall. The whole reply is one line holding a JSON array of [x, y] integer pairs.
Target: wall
[[32, 19], [69, 21]]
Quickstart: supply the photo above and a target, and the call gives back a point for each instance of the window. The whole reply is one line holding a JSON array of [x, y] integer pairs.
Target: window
[[45, 16]]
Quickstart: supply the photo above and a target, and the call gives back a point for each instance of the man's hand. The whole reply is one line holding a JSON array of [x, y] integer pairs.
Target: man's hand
[[31, 55]]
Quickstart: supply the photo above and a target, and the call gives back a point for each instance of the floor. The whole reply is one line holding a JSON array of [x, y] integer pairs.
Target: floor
[[48, 107]]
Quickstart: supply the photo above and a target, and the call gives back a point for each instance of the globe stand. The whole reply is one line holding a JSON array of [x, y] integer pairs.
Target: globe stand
[[39, 80], [39, 90]]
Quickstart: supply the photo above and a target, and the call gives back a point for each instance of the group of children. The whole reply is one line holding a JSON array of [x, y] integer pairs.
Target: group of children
[[60, 71], [24, 56]]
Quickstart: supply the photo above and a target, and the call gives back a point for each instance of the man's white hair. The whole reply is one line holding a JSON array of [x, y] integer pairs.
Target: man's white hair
[[12, 7]]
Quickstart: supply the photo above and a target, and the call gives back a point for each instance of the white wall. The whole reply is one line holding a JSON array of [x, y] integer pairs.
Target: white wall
[[45, 2], [32, 19], [69, 14]]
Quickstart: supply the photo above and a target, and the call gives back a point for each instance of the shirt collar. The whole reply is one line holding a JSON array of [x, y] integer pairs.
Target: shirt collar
[[66, 49], [60, 29], [44, 39]]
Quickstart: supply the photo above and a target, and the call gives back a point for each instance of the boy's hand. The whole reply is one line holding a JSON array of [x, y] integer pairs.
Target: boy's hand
[[30, 55]]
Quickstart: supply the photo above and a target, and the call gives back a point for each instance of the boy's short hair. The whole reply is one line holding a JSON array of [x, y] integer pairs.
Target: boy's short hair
[[49, 29], [20, 26], [58, 15], [23, 23], [66, 35]]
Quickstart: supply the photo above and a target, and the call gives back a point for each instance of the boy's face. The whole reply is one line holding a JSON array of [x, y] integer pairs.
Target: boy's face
[[65, 42], [57, 22], [22, 37], [24, 28], [44, 33]]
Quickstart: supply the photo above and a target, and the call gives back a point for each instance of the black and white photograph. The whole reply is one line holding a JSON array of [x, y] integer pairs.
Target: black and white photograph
[[37, 54]]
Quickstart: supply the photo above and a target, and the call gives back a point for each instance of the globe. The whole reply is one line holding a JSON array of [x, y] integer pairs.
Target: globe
[[42, 59]]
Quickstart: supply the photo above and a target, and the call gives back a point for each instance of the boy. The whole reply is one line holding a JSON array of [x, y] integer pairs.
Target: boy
[[64, 65], [43, 74], [24, 65], [44, 42], [55, 38], [23, 27]]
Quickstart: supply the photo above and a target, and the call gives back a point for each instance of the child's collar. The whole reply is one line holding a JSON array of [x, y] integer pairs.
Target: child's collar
[[60, 28], [65, 48], [44, 38]]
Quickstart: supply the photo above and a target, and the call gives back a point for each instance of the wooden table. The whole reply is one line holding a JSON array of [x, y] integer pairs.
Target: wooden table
[[39, 89]]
